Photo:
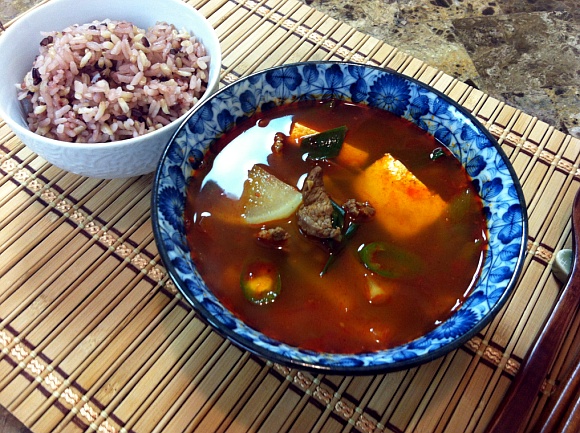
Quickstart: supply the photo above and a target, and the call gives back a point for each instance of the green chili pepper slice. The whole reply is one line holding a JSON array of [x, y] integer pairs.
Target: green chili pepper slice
[[261, 282], [388, 260], [459, 206], [324, 145]]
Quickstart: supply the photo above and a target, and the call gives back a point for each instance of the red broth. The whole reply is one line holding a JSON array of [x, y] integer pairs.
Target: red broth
[[334, 312]]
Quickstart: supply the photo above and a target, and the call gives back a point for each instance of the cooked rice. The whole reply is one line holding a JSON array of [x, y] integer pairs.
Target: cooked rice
[[109, 80]]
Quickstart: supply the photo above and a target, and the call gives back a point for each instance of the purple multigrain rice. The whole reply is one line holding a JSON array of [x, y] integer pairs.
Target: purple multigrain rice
[[110, 80]]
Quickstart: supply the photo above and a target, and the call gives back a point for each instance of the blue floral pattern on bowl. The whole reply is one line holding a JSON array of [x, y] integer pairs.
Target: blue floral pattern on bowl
[[458, 130]]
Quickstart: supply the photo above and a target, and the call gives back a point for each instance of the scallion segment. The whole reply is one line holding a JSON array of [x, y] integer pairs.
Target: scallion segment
[[348, 229], [339, 246], [438, 152]]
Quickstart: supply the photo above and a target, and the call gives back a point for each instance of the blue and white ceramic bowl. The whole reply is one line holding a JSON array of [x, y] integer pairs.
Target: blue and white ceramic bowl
[[479, 153]]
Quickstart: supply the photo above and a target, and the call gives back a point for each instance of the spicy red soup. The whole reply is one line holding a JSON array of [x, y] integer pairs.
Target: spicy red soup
[[335, 227]]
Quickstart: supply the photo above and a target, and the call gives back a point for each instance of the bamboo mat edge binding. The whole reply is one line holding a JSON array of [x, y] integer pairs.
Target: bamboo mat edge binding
[[519, 134]]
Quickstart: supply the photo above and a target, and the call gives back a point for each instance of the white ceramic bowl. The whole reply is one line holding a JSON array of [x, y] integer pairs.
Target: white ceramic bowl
[[125, 158]]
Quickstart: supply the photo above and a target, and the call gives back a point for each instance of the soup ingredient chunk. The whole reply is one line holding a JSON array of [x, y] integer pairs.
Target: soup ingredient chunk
[[315, 214], [404, 205], [261, 282], [275, 237], [357, 211], [266, 198], [379, 290]]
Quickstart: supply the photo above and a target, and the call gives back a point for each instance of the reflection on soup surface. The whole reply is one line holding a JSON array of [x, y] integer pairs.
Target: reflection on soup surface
[[335, 227]]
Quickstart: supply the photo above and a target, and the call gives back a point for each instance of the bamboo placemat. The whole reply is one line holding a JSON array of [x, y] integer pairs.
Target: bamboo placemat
[[94, 336]]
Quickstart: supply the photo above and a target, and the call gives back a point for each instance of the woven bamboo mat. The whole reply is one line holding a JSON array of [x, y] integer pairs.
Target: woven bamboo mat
[[94, 336]]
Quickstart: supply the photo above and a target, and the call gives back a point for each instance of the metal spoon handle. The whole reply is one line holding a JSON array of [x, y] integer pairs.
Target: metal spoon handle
[[515, 408]]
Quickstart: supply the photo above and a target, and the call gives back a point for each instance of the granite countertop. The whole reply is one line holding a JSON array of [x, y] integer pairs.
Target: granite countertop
[[523, 52]]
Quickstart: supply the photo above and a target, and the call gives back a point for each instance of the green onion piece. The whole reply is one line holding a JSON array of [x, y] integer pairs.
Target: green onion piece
[[437, 153], [339, 246], [324, 145], [338, 214], [261, 282], [389, 260], [337, 218], [335, 247]]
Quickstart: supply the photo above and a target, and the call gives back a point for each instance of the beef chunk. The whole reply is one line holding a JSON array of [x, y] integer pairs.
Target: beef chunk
[[315, 213], [275, 236], [357, 211]]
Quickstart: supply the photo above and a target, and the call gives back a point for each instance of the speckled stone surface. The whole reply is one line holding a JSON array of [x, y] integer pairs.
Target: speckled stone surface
[[12, 8], [523, 52]]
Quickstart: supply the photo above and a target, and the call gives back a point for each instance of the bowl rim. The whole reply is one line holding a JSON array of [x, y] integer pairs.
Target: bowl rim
[[214, 63], [406, 363]]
